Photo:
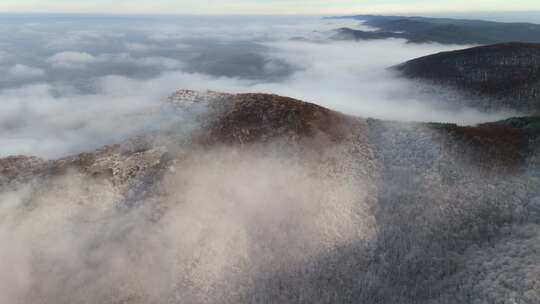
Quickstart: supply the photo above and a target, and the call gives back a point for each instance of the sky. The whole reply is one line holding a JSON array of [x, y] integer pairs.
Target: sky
[[263, 6]]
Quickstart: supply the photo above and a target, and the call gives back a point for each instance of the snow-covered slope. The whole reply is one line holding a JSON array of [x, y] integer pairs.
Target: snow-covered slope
[[274, 200]]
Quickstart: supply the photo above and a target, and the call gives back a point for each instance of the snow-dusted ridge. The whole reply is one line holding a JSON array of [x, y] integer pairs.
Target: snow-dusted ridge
[[281, 200], [192, 96]]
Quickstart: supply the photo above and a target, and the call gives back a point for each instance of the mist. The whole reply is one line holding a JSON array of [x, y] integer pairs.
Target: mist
[[384, 212], [223, 219], [65, 91]]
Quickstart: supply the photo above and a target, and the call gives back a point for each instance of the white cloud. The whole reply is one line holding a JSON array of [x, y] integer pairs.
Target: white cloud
[[72, 60], [55, 119], [346, 76], [351, 77], [74, 222], [160, 62], [21, 71], [233, 28], [182, 46], [3, 55], [33, 121], [141, 47]]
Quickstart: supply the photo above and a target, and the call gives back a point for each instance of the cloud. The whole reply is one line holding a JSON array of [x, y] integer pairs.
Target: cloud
[[231, 28], [353, 77], [207, 239], [21, 71], [141, 47], [3, 55], [182, 46], [161, 62], [72, 60], [227, 222], [34, 121], [100, 88]]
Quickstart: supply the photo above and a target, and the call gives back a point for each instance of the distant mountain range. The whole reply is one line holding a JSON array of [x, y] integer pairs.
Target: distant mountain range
[[500, 76], [441, 30], [504, 74]]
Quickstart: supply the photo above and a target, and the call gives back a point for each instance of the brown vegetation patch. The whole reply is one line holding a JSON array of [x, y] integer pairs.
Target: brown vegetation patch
[[262, 117], [492, 147]]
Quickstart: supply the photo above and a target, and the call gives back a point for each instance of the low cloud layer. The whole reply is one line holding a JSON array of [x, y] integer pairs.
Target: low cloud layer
[[226, 218], [72, 60], [22, 72], [285, 222], [75, 84]]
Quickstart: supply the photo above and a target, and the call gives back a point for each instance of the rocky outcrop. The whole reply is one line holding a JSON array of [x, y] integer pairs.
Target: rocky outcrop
[[272, 199]]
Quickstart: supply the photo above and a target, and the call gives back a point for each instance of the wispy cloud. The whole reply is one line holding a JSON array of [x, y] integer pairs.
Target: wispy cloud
[[22, 72], [60, 101], [72, 60]]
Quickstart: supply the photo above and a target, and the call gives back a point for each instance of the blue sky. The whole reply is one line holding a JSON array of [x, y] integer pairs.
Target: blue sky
[[264, 6]]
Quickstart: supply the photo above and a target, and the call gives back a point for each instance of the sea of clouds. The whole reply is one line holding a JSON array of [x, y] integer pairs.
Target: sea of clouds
[[74, 83], [232, 225]]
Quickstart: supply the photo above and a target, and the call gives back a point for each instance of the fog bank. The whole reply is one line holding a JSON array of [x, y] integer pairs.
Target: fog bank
[[67, 90]]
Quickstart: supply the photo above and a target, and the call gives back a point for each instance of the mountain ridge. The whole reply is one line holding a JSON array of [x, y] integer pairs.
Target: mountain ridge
[[441, 30], [497, 76], [426, 202]]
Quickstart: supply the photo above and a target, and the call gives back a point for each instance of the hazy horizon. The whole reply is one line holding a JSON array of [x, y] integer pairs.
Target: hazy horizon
[[497, 16], [345, 7]]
